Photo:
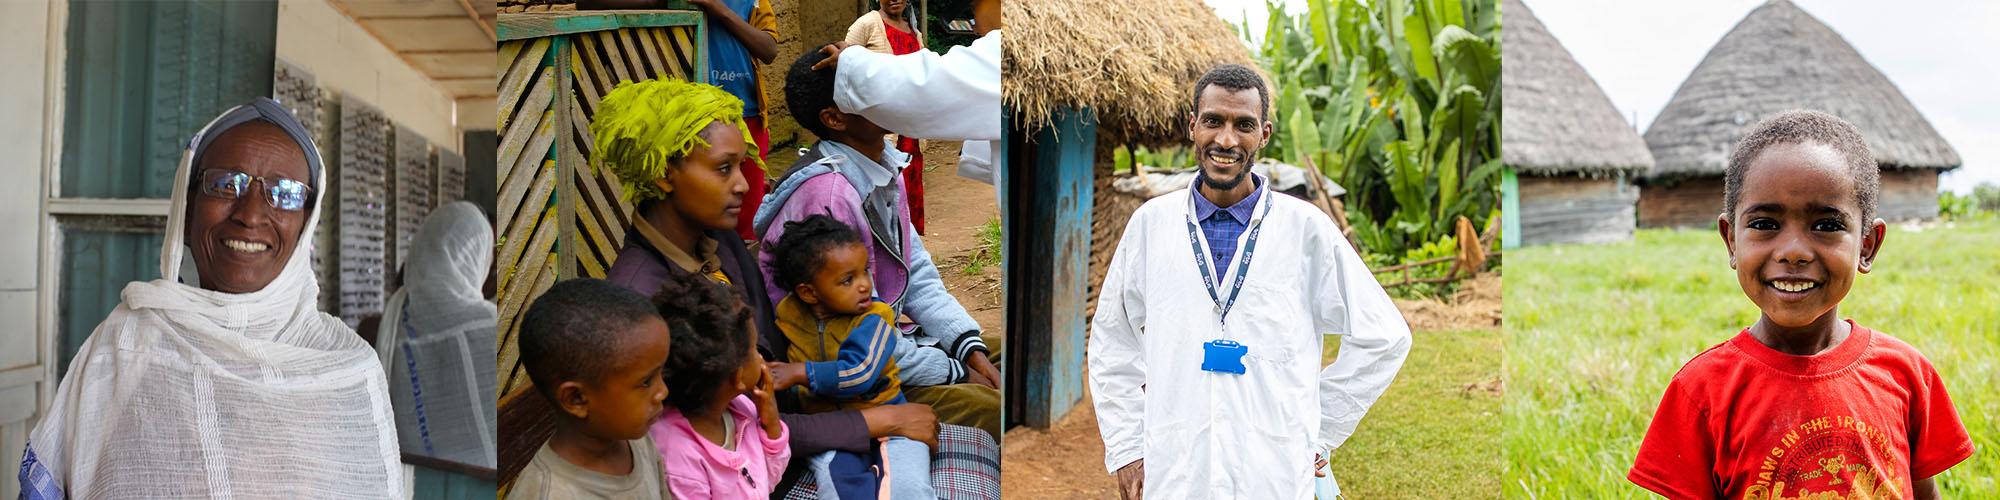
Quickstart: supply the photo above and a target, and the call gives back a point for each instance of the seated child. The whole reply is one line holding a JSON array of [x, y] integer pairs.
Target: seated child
[[1801, 403], [721, 438], [852, 174], [595, 350], [842, 349]]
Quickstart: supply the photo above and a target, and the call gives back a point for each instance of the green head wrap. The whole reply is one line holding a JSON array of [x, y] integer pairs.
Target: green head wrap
[[641, 127]]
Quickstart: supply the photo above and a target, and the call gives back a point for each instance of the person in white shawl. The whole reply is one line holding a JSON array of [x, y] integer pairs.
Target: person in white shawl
[[1205, 349], [436, 333], [229, 383]]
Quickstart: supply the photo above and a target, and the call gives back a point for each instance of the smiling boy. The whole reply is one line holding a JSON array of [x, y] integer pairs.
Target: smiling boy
[[1802, 404]]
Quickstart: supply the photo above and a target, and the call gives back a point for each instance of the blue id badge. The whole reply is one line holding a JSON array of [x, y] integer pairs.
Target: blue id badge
[[1223, 356]]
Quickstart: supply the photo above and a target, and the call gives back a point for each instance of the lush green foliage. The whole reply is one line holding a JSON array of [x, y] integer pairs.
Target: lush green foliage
[[1594, 333], [1398, 101], [936, 37], [1984, 202]]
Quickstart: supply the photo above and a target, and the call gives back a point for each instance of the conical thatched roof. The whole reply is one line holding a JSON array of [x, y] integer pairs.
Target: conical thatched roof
[[1780, 58], [1556, 119], [1132, 63]]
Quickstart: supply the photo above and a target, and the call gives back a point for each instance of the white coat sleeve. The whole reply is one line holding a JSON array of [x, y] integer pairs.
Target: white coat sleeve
[[1374, 339], [950, 97], [1117, 356], [975, 160]]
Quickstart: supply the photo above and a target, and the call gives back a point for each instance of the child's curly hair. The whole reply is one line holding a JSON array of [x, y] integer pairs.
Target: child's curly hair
[[574, 330], [1801, 126], [706, 320], [802, 250]]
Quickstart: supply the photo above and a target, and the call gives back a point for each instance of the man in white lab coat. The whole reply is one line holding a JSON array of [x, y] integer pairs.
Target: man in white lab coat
[[1205, 350], [949, 97]]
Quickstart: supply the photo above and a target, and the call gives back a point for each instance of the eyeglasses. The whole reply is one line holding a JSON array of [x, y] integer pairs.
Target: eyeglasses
[[285, 194]]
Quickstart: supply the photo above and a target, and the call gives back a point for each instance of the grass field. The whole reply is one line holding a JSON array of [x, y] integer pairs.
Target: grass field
[[1436, 432], [1595, 332]]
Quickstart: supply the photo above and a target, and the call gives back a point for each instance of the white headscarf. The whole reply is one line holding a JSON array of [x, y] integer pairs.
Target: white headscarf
[[437, 333], [184, 392]]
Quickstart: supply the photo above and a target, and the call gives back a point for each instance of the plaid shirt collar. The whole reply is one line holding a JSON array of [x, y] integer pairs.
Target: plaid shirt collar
[[1203, 209]]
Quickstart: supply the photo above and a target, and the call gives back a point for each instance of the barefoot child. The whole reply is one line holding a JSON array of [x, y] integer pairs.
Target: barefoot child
[[843, 349], [721, 439], [1802, 404], [595, 350]]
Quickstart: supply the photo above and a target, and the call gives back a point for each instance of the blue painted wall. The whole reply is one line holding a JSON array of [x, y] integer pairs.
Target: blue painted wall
[[1049, 251]]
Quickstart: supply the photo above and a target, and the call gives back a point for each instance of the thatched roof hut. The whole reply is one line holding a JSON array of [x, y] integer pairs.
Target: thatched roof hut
[[1574, 154], [1556, 119], [1780, 58], [1133, 64]]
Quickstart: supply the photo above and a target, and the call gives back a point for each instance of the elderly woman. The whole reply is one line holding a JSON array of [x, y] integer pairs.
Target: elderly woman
[[433, 330], [228, 382]]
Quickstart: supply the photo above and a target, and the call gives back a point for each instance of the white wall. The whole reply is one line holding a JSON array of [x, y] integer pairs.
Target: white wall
[[22, 94], [344, 57], [478, 113]]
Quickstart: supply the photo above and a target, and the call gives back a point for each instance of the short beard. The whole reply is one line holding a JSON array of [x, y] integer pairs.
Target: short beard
[[1224, 185]]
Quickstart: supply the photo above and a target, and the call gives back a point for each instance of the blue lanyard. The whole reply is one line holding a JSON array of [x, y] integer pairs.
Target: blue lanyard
[[1208, 277]]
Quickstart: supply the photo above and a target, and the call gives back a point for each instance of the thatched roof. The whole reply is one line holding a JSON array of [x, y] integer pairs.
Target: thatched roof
[[1134, 64], [1555, 119], [1781, 58]]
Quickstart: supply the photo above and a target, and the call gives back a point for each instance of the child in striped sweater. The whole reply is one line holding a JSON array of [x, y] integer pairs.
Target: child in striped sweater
[[843, 346]]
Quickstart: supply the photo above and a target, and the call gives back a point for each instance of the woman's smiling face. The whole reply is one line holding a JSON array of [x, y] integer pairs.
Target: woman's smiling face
[[1798, 239], [240, 245]]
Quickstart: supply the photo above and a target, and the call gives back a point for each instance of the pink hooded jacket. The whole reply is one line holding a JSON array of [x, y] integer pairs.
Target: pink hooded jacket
[[697, 468]]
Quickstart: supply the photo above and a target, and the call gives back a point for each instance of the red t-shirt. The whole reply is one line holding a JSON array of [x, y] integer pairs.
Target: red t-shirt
[[1743, 421]]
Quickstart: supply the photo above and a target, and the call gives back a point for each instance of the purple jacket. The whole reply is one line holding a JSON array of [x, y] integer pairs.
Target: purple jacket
[[832, 179]]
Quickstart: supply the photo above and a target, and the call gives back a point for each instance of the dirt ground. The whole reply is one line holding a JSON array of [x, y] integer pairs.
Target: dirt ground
[[956, 207], [1475, 306], [1067, 461]]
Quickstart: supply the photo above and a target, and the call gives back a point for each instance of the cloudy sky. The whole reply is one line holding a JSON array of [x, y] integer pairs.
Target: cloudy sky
[[1942, 55]]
